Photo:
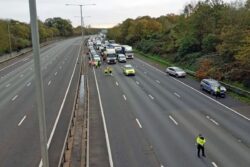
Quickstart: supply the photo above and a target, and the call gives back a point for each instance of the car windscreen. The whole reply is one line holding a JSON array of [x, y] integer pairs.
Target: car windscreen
[[111, 55], [215, 84]]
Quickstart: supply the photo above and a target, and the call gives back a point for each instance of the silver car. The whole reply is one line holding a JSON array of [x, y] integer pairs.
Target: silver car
[[176, 71]]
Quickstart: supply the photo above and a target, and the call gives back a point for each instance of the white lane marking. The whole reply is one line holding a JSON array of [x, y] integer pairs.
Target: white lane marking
[[7, 85], [138, 122], [124, 97], [14, 98], [116, 83], [162, 166], [176, 123], [26, 59], [20, 123], [21, 75], [151, 97], [55, 73], [61, 107], [28, 84], [212, 120], [49, 83], [158, 81], [243, 116], [137, 82], [176, 94], [104, 123], [214, 164]]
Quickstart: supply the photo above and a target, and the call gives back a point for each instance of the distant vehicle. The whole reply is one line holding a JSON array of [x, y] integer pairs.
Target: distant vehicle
[[93, 52], [128, 51], [111, 41], [117, 47], [128, 69], [96, 57], [111, 56], [176, 71], [211, 85], [121, 58]]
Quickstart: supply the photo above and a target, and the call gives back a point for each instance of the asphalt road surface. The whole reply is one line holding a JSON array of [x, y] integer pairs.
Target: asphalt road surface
[[19, 131], [152, 119]]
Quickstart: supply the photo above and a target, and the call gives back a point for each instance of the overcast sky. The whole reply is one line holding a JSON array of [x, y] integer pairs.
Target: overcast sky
[[106, 13]]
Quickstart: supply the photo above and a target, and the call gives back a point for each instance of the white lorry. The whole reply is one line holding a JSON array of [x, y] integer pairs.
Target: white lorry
[[110, 56], [128, 51]]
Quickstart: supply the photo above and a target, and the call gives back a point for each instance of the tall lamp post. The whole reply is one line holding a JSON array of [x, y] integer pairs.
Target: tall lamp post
[[9, 37], [81, 5]]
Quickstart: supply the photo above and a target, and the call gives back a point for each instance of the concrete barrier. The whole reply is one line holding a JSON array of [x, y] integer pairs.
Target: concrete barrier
[[13, 55]]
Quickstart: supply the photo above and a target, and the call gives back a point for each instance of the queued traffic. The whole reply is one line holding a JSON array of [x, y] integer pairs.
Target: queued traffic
[[102, 51]]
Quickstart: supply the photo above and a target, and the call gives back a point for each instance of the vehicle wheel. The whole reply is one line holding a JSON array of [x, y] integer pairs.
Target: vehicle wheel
[[176, 75], [201, 87]]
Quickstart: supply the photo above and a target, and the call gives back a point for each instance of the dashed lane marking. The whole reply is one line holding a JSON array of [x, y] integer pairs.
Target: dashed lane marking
[[14, 98], [117, 84], [124, 97], [138, 122], [28, 84], [151, 97], [20, 123], [158, 81], [214, 164], [49, 83], [176, 94], [176, 123], [55, 73], [7, 85]]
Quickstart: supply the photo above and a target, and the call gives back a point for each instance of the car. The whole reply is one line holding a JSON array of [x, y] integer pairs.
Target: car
[[121, 58], [211, 85], [128, 69], [96, 57], [176, 71]]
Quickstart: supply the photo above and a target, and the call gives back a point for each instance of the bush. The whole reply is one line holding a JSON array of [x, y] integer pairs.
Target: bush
[[246, 82]]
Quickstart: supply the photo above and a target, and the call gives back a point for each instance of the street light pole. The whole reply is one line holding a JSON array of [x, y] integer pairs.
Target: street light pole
[[39, 83], [9, 37], [81, 24], [81, 5]]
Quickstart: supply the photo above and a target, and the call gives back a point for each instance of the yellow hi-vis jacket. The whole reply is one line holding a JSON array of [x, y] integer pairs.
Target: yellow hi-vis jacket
[[200, 141]]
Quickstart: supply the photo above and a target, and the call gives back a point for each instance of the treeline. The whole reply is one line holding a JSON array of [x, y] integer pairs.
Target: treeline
[[211, 37], [18, 34]]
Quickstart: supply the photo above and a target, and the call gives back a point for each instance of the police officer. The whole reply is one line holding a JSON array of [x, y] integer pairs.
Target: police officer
[[200, 141], [217, 92]]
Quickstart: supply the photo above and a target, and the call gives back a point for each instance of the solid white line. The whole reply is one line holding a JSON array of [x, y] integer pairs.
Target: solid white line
[[116, 83], [14, 98], [124, 97], [151, 97], [198, 91], [88, 126], [55, 73], [137, 82], [158, 81], [19, 124], [28, 84], [7, 85], [214, 164], [104, 123], [216, 123], [138, 122], [176, 94], [49, 83], [176, 123]]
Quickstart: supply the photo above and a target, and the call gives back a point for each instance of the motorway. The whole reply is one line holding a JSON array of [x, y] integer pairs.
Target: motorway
[[152, 120], [19, 142]]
